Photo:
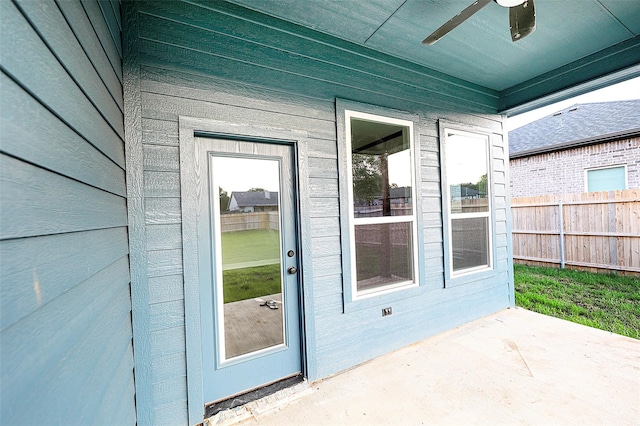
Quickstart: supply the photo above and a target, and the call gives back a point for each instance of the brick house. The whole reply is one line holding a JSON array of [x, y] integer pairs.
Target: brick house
[[253, 201], [583, 148]]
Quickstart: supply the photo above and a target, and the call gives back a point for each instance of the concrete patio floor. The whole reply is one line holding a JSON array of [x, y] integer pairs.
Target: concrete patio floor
[[512, 367]]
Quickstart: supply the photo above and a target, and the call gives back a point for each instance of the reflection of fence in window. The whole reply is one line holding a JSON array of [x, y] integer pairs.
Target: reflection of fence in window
[[470, 242], [384, 251], [246, 221], [376, 211], [370, 234], [473, 205]]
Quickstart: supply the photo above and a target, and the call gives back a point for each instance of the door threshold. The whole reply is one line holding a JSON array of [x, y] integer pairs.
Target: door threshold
[[256, 402]]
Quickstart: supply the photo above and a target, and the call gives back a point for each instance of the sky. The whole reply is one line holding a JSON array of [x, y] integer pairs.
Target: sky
[[242, 174], [626, 90], [400, 168], [464, 159]]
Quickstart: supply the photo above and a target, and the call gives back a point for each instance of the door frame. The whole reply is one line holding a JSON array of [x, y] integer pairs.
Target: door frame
[[191, 166]]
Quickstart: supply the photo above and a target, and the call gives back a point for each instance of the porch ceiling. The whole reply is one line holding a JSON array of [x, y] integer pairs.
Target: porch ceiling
[[578, 45]]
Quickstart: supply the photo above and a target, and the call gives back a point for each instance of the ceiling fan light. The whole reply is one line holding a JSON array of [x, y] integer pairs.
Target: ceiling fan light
[[510, 3]]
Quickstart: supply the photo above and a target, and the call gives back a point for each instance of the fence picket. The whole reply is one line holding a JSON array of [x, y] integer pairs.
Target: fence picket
[[590, 230], [232, 222]]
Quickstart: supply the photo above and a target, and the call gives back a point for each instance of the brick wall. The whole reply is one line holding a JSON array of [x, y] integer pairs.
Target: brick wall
[[563, 172]]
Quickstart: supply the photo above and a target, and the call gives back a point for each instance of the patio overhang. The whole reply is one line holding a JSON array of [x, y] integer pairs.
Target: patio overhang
[[577, 46]]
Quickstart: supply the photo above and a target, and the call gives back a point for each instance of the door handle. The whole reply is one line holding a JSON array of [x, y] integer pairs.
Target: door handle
[[292, 270]]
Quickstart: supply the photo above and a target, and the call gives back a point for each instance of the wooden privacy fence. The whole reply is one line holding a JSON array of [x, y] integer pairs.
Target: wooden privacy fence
[[599, 230], [232, 222]]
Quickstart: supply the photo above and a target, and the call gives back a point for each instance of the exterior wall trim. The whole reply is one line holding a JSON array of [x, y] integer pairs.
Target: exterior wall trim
[[135, 208], [450, 278], [509, 220], [189, 129], [608, 66], [349, 302]]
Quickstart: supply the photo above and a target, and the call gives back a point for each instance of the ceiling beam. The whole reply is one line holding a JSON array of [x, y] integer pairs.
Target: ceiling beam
[[612, 65]]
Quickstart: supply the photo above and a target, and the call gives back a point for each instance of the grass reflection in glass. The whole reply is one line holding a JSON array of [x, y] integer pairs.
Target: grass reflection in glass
[[248, 283], [250, 246], [251, 264]]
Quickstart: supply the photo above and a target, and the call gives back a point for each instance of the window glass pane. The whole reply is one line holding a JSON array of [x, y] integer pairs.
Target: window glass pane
[[467, 171], [609, 179], [381, 169], [383, 254], [470, 242]]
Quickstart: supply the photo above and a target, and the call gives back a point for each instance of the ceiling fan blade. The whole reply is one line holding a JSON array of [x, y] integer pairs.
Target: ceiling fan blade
[[522, 20], [455, 21]]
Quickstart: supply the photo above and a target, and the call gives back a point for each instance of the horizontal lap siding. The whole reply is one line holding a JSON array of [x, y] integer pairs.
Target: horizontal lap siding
[[431, 207], [66, 351], [501, 217], [201, 62], [439, 312]]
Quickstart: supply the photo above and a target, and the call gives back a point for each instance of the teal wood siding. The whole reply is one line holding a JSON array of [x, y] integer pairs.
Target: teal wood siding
[[66, 334], [218, 61]]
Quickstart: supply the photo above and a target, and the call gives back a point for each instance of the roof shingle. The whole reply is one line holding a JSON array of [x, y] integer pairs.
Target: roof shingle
[[579, 124], [255, 198]]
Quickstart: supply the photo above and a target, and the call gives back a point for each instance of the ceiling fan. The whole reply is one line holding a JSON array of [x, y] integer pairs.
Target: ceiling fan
[[522, 19]]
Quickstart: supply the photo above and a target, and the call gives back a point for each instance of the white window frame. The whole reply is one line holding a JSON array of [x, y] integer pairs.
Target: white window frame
[[447, 202], [613, 166], [353, 221]]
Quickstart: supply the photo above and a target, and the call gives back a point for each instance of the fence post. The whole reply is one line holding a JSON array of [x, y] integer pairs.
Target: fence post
[[561, 219]]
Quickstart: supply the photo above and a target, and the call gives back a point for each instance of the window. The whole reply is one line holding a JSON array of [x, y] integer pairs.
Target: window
[[382, 211], [468, 186], [606, 179]]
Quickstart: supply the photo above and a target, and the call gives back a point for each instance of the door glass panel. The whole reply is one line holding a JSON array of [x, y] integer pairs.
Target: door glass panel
[[249, 287]]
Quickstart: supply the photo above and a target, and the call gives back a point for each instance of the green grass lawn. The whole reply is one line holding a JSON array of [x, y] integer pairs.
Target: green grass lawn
[[606, 301], [249, 246], [249, 283]]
